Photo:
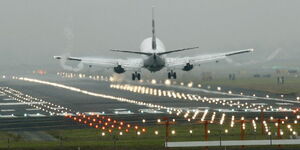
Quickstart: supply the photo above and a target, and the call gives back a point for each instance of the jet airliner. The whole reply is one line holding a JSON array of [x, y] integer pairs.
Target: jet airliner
[[154, 58]]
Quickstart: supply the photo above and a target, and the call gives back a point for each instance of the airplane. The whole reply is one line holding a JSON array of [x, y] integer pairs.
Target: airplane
[[154, 58]]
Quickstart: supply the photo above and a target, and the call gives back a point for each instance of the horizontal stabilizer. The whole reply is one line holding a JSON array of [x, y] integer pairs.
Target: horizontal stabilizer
[[132, 52], [178, 50]]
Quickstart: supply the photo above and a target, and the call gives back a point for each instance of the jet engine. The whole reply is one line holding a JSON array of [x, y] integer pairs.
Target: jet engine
[[188, 67], [119, 69]]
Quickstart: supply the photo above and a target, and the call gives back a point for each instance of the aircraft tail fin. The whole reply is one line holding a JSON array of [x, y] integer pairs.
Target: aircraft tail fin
[[153, 31]]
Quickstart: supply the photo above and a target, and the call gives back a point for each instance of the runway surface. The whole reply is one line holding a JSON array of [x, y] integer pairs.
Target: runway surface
[[51, 96]]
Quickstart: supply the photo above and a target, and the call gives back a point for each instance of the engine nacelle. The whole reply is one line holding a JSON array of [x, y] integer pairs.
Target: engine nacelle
[[119, 69], [188, 67]]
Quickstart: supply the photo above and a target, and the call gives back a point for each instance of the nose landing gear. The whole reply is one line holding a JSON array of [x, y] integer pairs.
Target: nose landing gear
[[172, 75]]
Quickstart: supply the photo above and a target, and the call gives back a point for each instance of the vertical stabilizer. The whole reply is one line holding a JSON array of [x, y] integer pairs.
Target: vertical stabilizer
[[153, 31]]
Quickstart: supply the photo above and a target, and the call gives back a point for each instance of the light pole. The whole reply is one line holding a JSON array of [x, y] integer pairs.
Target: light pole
[[270, 136], [220, 135]]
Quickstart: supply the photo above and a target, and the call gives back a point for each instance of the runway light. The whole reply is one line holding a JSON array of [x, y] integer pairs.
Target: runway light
[[190, 84], [138, 133], [103, 134], [226, 130], [167, 82], [191, 131], [156, 132], [153, 81], [173, 132]]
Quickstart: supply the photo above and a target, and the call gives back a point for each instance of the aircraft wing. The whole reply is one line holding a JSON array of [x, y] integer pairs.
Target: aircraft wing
[[127, 64], [200, 59]]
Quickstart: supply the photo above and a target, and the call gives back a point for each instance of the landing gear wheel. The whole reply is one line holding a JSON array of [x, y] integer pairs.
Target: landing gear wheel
[[169, 75], [136, 76], [139, 76], [174, 75], [133, 76]]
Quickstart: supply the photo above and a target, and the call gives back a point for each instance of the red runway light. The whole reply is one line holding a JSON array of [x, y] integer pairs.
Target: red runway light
[[109, 130], [121, 123], [100, 121], [108, 119], [74, 118], [143, 130], [126, 130], [94, 120], [103, 128], [128, 125], [96, 126], [91, 124], [119, 127], [115, 121]]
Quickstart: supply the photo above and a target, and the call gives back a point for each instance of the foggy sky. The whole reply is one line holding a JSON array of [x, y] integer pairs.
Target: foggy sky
[[33, 31]]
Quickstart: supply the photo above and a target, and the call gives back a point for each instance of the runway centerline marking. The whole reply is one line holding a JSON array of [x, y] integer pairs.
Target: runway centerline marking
[[14, 104], [7, 110], [8, 99]]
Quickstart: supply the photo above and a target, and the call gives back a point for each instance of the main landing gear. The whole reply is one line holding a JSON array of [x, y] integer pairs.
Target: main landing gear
[[136, 76], [172, 75]]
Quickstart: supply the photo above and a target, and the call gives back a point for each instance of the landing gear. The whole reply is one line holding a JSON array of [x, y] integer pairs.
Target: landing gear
[[136, 76], [172, 75]]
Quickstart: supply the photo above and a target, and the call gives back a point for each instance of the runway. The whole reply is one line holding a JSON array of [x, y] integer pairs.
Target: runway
[[51, 96]]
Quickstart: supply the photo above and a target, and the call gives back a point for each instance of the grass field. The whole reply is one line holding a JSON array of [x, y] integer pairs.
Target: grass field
[[89, 138], [291, 86]]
